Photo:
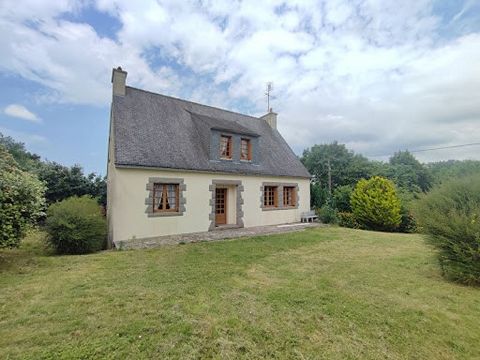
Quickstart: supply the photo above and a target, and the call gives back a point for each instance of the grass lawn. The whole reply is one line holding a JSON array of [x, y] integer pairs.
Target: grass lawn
[[328, 293]]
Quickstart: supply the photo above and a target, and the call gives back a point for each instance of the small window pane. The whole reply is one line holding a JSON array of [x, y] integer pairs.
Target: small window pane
[[226, 147], [158, 196], [288, 196], [172, 197], [245, 153], [165, 197], [270, 196]]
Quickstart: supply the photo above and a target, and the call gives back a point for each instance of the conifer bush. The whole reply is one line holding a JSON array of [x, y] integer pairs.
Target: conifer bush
[[76, 226], [375, 204], [450, 216]]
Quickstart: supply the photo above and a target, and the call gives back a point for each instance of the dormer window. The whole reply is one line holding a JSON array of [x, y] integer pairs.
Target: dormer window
[[226, 147], [245, 150]]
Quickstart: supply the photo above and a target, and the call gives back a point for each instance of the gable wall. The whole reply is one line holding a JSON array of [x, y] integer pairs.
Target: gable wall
[[129, 219], [111, 172]]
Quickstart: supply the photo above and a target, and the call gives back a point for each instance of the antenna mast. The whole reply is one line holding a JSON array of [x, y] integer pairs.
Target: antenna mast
[[267, 93]]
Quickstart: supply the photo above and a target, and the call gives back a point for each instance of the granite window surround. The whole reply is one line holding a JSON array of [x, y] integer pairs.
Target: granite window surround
[[215, 139], [181, 198], [238, 200], [279, 187]]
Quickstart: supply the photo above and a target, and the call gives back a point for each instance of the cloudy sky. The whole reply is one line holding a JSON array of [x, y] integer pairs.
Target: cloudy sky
[[377, 75]]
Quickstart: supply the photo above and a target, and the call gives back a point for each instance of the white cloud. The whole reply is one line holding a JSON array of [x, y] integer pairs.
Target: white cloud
[[377, 75], [20, 111]]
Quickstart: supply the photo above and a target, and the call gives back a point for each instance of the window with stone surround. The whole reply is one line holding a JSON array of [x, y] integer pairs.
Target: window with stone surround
[[165, 197], [279, 196]]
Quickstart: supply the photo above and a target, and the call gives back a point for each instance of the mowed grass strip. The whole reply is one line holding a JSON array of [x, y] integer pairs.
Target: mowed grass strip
[[328, 293]]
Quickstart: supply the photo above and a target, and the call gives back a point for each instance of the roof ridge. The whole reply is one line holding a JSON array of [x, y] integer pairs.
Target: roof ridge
[[194, 103]]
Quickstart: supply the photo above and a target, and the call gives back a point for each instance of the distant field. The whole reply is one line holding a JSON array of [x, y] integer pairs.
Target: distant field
[[328, 293]]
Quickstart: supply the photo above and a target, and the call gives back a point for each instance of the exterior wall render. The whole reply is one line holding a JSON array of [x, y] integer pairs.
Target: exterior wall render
[[128, 192]]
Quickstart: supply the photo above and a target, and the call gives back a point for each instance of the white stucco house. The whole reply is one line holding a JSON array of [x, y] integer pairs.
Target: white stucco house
[[177, 167]]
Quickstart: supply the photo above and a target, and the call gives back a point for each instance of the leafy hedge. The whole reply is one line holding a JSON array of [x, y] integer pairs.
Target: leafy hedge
[[22, 200], [450, 215], [76, 226], [375, 204], [327, 214]]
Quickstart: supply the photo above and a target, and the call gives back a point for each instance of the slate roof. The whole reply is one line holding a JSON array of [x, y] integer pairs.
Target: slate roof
[[153, 130]]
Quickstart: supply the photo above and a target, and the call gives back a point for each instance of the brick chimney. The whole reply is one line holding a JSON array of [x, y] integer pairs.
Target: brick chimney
[[270, 118], [119, 78]]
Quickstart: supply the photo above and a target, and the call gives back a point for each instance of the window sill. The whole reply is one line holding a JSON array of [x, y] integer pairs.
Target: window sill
[[268, 208], [166, 213], [228, 159], [279, 208]]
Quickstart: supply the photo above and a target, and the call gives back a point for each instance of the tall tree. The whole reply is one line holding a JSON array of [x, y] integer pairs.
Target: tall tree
[[61, 181], [333, 164], [21, 200], [408, 173], [25, 160]]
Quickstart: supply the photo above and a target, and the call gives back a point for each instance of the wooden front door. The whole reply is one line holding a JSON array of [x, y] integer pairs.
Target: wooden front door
[[220, 206]]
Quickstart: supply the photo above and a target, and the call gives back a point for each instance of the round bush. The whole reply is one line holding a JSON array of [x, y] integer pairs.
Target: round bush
[[450, 215], [375, 204], [76, 226]]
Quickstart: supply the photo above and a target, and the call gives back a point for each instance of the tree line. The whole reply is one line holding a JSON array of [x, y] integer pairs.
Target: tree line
[[336, 170], [60, 181], [333, 166], [29, 185]]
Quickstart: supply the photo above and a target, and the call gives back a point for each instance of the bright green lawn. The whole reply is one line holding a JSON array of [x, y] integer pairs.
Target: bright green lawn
[[323, 293]]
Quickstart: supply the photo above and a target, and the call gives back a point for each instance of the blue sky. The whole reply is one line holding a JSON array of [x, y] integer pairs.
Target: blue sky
[[377, 75]]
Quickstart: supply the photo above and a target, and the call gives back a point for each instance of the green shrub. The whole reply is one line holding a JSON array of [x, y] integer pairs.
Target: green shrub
[[450, 215], [327, 214], [376, 205], [76, 226], [341, 198], [408, 224], [347, 219], [22, 200], [318, 195]]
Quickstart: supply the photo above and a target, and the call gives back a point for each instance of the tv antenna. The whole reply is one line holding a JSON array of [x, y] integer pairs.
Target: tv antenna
[[267, 93]]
